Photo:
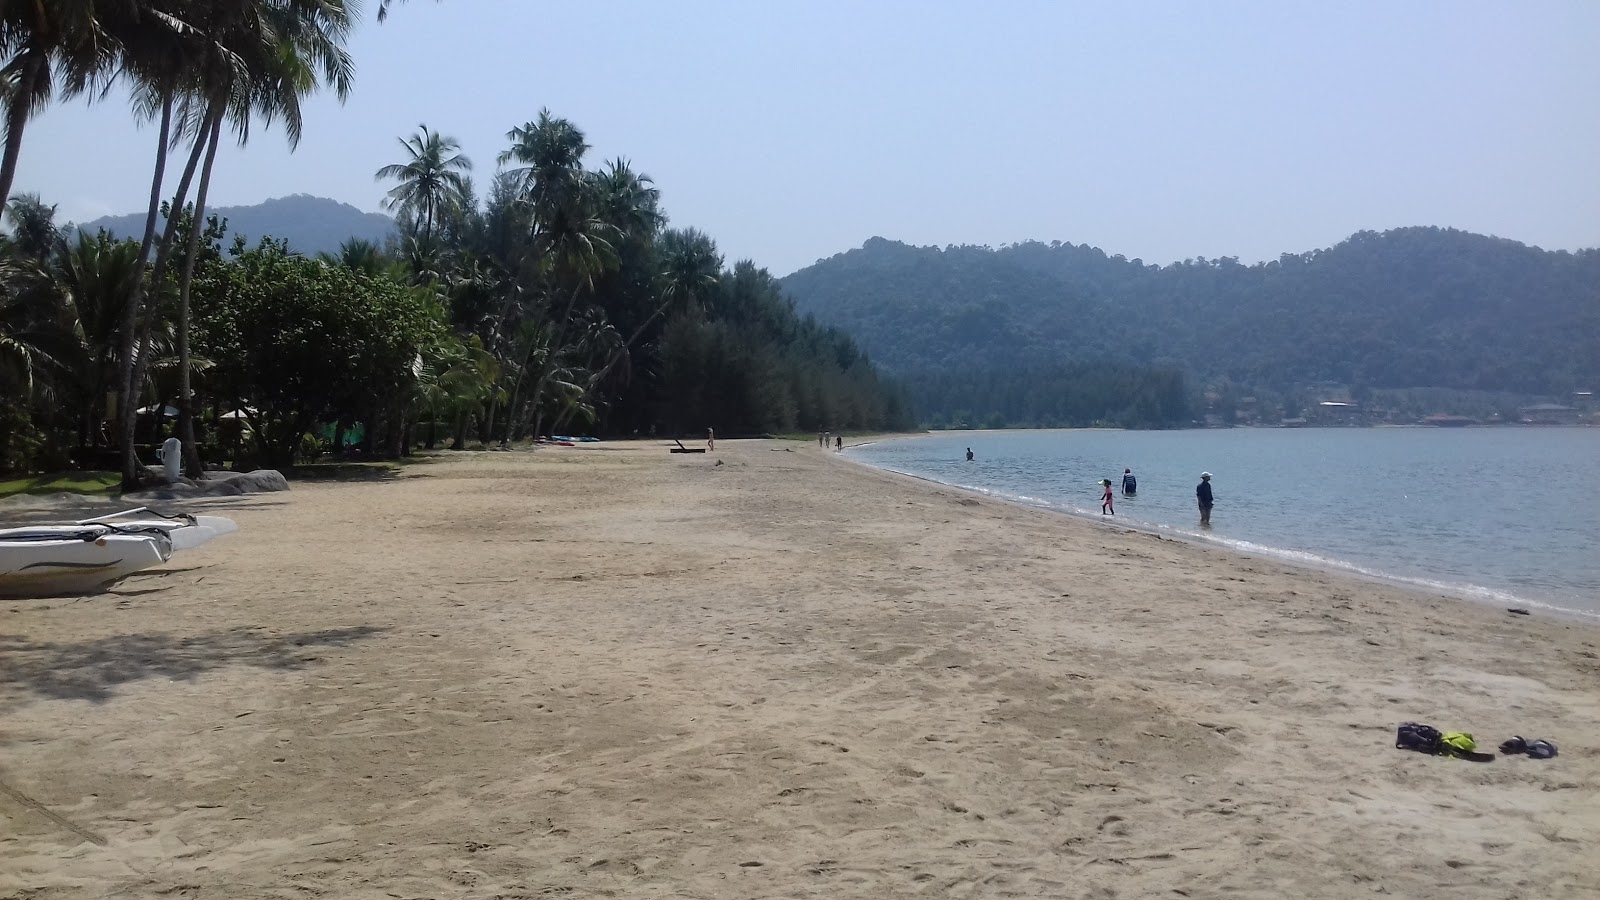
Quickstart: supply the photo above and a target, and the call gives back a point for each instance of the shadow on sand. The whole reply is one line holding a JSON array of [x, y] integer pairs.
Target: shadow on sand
[[92, 670]]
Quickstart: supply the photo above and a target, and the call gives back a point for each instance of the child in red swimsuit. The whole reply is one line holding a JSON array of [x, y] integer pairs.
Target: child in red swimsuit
[[1105, 501]]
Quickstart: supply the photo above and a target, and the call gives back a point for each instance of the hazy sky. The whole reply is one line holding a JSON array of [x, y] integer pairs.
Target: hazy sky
[[792, 131]]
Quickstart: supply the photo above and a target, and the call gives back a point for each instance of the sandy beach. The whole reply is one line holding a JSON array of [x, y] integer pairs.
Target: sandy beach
[[611, 671]]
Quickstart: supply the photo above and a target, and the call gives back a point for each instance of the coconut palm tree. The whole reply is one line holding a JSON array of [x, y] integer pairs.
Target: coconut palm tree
[[271, 54], [161, 55], [629, 201], [97, 272], [690, 269], [551, 177], [46, 44], [690, 265], [34, 233], [35, 334], [256, 60], [358, 255], [430, 180]]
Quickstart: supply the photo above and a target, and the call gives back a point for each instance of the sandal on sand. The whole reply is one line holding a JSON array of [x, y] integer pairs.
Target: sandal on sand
[[1534, 749], [1541, 749]]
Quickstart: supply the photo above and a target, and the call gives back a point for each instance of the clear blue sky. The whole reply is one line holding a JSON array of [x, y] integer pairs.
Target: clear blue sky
[[795, 130]]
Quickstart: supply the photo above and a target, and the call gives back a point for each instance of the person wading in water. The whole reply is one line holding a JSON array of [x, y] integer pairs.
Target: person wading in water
[[1202, 494]]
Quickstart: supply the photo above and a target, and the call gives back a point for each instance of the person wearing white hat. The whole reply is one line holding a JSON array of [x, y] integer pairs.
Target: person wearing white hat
[[1202, 493]]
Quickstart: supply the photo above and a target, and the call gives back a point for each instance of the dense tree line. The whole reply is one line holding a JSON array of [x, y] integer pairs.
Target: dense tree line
[[1413, 307], [557, 302]]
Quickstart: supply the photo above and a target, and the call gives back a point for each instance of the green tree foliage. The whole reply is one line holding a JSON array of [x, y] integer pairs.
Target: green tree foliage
[[1064, 395], [297, 341], [432, 180], [1413, 307], [544, 307], [744, 362]]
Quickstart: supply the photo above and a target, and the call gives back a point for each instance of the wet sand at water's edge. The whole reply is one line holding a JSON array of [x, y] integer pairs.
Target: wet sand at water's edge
[[613, 671]]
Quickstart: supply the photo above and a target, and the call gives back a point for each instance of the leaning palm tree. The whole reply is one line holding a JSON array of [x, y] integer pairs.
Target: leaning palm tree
[[46, 44], [161, 54], [255, 60], [270, 54], [690, 271], [430, 180]]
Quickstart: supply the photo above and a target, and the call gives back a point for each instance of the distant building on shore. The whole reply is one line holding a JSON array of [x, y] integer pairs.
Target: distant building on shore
[[1549, 414]]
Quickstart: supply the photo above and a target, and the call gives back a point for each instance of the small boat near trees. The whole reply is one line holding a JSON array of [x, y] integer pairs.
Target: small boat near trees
[[94, 554]]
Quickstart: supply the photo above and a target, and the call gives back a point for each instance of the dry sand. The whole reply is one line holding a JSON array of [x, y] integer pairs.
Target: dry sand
[[611, 671]]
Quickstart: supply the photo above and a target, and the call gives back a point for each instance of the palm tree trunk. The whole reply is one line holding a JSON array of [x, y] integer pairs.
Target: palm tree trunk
[[17, 116], [621, 353], [555, 348], [559, 425], [191, 452], [153, 212], [131, 365]]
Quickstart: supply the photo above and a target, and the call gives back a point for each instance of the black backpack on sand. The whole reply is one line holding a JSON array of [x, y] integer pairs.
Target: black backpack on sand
[[1421, 738]]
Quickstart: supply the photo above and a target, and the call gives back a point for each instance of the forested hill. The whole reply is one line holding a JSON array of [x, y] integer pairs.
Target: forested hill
[[1405, 308], [310, 224]]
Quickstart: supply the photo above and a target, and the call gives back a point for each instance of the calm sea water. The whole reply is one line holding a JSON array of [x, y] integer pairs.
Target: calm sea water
[[1500, 514]]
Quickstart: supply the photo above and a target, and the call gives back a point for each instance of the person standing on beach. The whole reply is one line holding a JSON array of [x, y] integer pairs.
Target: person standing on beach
[[1202, 494], [1106, 509], [838, 444], [1130, 484], [711, 439], [820, 440]]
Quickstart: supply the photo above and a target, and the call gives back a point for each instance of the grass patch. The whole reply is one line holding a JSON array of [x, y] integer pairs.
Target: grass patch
[[92, 482], [363, 470]]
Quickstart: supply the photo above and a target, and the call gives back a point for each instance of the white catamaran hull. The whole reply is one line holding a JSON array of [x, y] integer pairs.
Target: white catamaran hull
[[51, 560], [70, 565]]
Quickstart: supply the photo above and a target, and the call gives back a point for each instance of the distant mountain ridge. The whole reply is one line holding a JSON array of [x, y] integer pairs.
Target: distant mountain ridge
[[1405, 308], [310, 224]]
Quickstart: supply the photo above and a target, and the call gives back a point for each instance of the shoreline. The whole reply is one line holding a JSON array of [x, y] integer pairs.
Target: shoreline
[[611, 671], [1476, 595]]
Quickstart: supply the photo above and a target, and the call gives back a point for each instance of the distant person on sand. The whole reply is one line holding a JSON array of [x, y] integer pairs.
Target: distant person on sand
[[821, 441], [969, 454], [1106, 509], [1130, 484], [1202, 493], [838, 444], [711, 439]]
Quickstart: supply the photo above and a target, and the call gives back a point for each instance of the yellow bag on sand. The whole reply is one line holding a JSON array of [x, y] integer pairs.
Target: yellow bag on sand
[[1458, 742]]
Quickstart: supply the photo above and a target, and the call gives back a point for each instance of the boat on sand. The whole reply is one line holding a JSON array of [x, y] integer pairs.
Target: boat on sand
[[93, 554]]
